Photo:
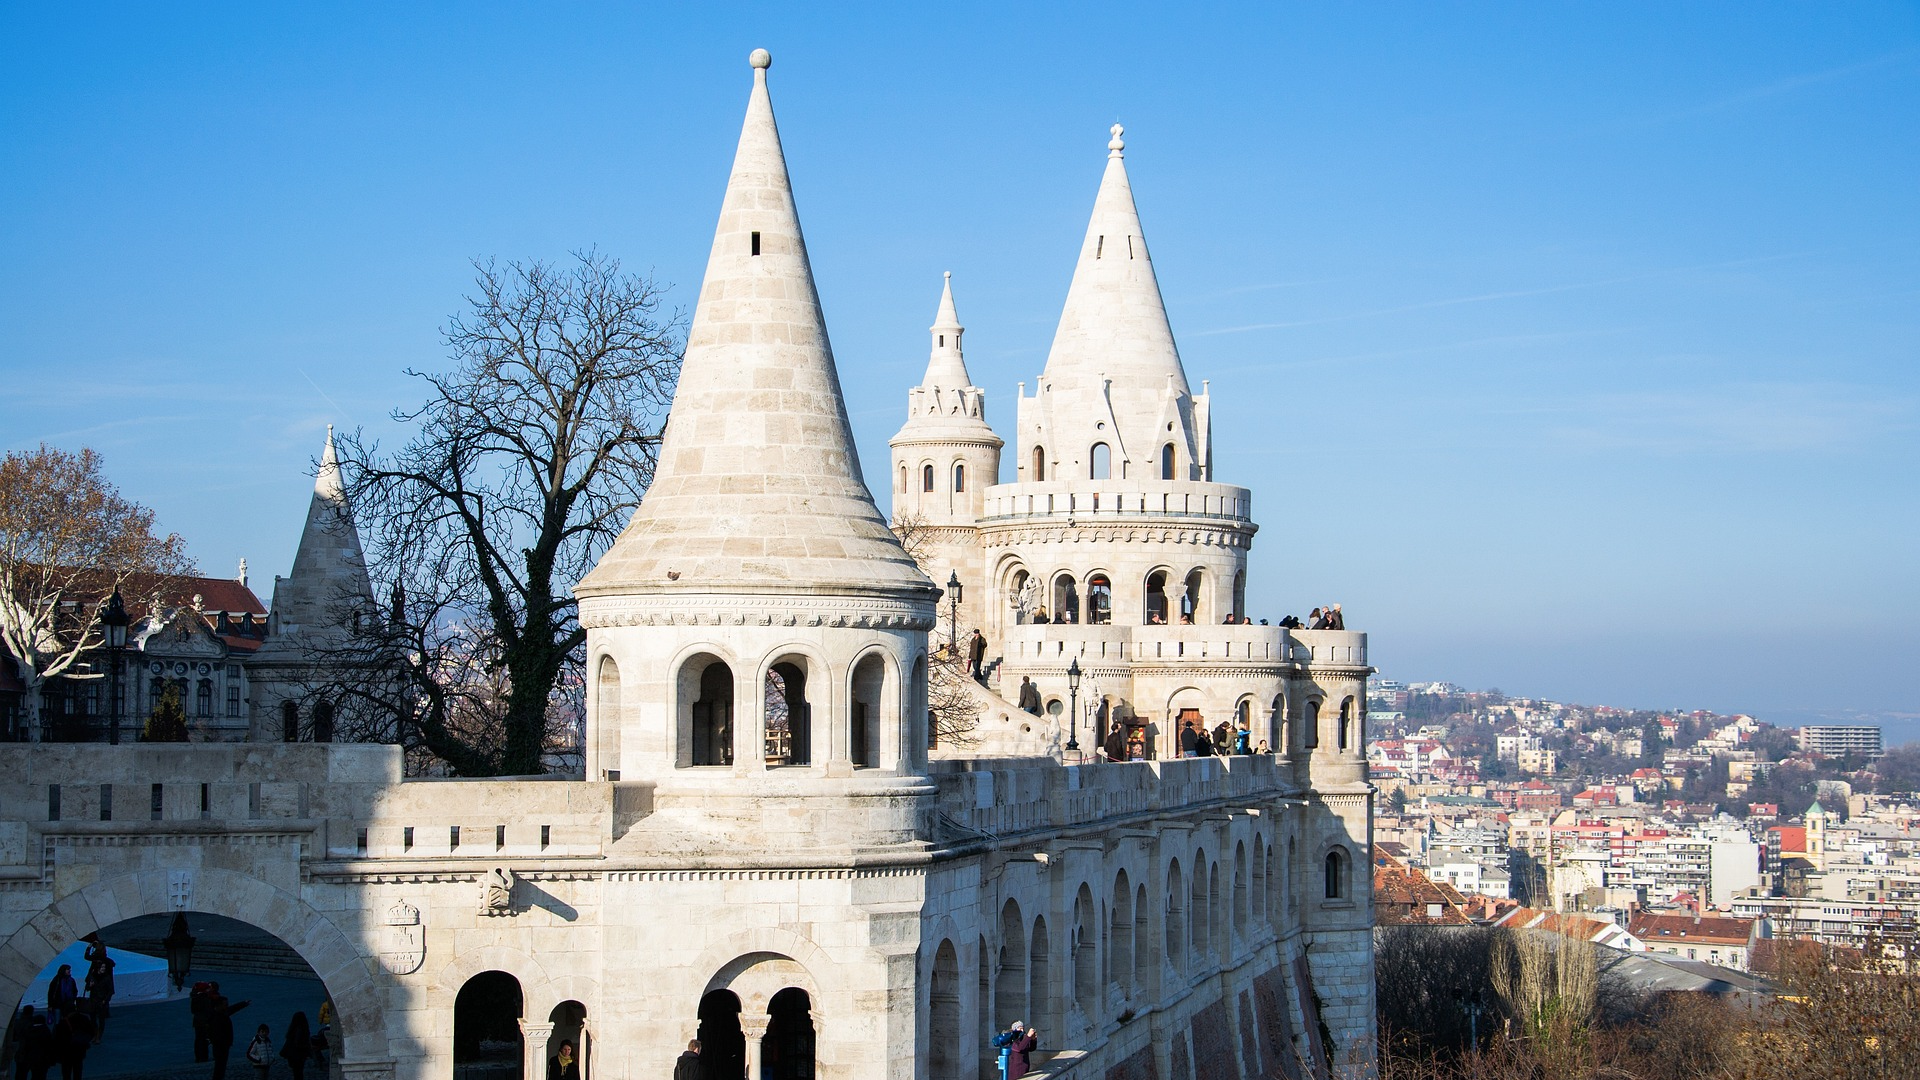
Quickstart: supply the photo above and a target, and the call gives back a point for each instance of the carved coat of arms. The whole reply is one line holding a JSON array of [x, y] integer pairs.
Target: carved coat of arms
[[405, 946]]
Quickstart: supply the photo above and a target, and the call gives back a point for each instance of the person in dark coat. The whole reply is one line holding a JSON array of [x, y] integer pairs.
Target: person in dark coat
[[297, 1047], [1202, 746], [23, 1024], [976, 652], [563, 1065], [72, 1038], [38, 1048], [1020, 1051], [687, 1067], [1335, 620], [1116, 744], [219, 1015], [62, 992], [1188, 739], [197, 1005], [1029, 696], [100, 988]]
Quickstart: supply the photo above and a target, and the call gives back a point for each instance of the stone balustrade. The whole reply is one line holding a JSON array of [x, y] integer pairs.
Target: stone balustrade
[[1007, 797], [1116, 499], [1055, 643]]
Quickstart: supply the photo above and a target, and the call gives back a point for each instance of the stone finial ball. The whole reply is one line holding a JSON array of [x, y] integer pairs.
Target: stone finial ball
[[761, 58]]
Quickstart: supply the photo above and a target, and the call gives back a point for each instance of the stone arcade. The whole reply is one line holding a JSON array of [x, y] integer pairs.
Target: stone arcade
[[834, 900]]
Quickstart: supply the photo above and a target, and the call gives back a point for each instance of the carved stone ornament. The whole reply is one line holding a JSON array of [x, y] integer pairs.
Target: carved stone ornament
[[180, 889], [405, 946], [496, 892]]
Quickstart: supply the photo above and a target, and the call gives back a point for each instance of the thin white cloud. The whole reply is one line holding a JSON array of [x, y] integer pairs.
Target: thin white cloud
[[1734, 418], [1781, 87]]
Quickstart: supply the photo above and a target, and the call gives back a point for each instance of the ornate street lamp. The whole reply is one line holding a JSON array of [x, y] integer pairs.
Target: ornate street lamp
[[179, 948], [1073, 704], [953, 613], [113, 629]]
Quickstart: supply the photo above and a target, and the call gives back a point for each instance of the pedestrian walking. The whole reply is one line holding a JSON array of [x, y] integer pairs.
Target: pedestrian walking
[[687, 1067], [100, 989], [976, 652], [72, 1038], [38, 1048], [1029, 696], [260, 1052], [197, 1003], [297, 1047]]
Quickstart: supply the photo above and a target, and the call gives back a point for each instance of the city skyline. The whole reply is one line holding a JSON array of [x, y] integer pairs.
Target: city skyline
[[1568, 348]]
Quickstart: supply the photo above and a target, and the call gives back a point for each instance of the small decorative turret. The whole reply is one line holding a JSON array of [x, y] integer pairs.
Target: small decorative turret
[[946, 456]]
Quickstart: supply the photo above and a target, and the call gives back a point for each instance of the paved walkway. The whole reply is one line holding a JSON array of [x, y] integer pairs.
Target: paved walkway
[[155, 1041]]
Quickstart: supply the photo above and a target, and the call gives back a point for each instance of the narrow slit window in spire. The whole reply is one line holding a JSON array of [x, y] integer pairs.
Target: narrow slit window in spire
[[756, 243]]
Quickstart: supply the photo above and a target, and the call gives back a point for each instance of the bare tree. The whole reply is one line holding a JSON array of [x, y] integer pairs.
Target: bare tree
[[527, 459], [953, 712], [68, 541]]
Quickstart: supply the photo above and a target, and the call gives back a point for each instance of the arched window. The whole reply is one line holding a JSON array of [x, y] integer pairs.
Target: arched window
[[713, 716], [1311, 723], [789, 738], [1190, 606], [1166, 462], [1099, 599], [290, 721], [959, 477], [607, 718], [1156, 597], [1039, 463], [1174, 929], [1337, 874], [1120, 933], [203, 698], [1086, 952], [1066, 599], [903, 480], [323, 721], [1101, 462], [943, 1001], [1277, 726], [926, 478], [1202, 939], [1017, 596], [1346, 722], [1010, 980], [870, 689], [487, 1010]]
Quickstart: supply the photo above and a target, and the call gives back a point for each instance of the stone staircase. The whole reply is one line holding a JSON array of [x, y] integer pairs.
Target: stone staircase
[[221, 945]]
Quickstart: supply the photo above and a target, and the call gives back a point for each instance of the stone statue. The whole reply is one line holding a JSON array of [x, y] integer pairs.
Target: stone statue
[[1023, 600], [496, 892]]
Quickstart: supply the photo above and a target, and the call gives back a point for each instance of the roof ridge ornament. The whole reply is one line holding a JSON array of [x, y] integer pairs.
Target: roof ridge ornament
[[1115, 145]]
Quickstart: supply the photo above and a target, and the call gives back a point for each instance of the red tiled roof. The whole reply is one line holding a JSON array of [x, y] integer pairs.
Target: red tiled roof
[[1652, 928]]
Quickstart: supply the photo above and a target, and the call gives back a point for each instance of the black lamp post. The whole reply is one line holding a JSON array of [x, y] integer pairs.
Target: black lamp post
[[953, 612], [113, 628], [179, 948], [1073, 704]]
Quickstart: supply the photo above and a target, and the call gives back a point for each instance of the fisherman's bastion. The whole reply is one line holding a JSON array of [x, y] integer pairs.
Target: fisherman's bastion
[[852, 900]]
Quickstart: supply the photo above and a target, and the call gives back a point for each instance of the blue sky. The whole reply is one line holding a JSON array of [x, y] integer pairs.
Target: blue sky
[[1571, 348]]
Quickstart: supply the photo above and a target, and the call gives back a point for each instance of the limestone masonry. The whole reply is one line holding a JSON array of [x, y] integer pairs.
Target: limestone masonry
[[813, 889]]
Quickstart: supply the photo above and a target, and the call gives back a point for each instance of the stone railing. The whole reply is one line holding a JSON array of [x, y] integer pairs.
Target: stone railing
[[349, 799], [1005, 797], [1055, 643], [1106, 499]]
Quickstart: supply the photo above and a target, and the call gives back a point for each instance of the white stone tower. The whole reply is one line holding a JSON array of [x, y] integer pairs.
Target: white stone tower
[[944, 459], [756, 637], [316, 608]]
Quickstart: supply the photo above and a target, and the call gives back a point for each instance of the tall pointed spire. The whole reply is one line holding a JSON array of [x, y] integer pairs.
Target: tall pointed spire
[[758, 486], [946, 364], [1114, 322], [328, 584]]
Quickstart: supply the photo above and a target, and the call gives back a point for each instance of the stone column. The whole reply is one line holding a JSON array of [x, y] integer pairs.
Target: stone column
[[754, 1027], [533, 1039]]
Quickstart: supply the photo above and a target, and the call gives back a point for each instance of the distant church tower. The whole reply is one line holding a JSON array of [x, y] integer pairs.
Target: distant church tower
[[756, 637], [314, 608], [944, 459]]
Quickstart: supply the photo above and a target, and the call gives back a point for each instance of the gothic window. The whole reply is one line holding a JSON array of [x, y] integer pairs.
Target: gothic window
[[926, 478], [959, 477], [1337, 885], [1039, 463], [713, 716], [1166, 462], [1102, 462]]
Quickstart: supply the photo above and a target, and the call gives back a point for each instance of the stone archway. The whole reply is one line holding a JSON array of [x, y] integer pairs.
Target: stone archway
[[342, 968]]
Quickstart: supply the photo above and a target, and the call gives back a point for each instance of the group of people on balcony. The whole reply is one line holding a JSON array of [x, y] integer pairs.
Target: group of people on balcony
[[1320, 618]]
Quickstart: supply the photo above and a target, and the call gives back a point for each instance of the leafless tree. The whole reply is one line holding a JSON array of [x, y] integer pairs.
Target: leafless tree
[[525, 462], [953, 710], [68, 541]]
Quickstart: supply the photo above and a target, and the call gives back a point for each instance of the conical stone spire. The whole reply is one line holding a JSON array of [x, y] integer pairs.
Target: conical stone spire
[[1114, 323], [946, 364], [328, 583], [758, 487]]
